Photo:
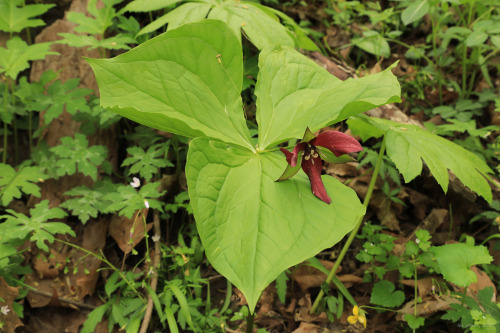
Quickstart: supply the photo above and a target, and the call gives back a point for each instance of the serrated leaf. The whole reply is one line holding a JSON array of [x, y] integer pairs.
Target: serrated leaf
[[384, 294], [14, 58], [76, 154], [293, 93], [13, 184], [455, 261], [408, 145], [16, 16], [103, 18], [37, 226], [65, 96], [127, 200], [88, 203], [113, 43], [254, 228], [190, 96], [146, 163]]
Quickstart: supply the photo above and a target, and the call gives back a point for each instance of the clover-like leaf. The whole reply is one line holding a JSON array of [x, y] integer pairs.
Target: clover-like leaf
[[12, 183], [254, 228], [36, 227], [384, 294], [455, 261], [408, 145]]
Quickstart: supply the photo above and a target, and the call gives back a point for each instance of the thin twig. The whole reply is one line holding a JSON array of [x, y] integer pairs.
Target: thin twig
[[62, 299], [154, 278]]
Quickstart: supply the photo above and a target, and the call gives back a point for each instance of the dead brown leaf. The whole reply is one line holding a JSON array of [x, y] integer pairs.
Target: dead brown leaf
[[483, 281], [424, 285], [435, 219], [7, 296], [307, 276], [308, 328], [128, 232]]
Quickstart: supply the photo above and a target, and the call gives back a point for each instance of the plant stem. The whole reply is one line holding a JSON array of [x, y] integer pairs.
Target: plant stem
[[250, 322], [416, 288], [5, 128], [14, 123], [356, 228]]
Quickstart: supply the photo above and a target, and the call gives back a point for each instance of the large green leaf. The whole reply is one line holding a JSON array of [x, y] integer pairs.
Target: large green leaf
[[260, 24], [252, 227], [294, 93], [187, 81], [407, 145], [456, 260], [262, 28], [187, 13]]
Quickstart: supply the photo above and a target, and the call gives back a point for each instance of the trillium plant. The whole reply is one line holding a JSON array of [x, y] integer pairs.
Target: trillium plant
[[188, 81]]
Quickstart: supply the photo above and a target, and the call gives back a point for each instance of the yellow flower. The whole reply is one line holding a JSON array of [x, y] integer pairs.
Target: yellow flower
[[357, 316]]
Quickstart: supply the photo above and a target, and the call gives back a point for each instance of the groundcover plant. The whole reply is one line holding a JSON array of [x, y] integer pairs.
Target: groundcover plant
[[188, 81]]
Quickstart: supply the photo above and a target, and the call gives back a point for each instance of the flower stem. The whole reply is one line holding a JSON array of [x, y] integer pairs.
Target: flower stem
[[356, 228]]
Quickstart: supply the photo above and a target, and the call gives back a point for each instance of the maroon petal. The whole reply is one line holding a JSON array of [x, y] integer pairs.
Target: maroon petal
[[313, 167], [337, 142], [292, 157], [288, 155]]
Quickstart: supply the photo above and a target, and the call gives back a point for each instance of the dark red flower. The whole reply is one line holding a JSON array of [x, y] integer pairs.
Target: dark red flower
[[309, 152]]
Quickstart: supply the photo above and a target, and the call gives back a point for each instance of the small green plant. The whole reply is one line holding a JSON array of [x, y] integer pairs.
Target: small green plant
[[17, 226], [98, 25], [13, 183]]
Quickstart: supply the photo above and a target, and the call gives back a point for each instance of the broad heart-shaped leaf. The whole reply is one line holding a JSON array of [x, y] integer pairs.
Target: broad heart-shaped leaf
[[252, 227], [186, 81], [407, 145], [293, 93], [455, 261]]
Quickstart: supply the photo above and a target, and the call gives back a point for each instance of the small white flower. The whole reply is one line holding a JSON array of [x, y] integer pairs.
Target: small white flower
[[5, 310], [155, 238], [136, 182], [146, 203], [417, 240], [151, 271]]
